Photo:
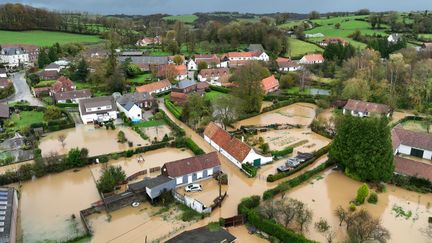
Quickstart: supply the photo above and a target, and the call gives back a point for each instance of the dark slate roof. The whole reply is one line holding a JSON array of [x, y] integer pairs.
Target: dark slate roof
[[97, 102], [7, 197], [4, 111], [146, 60], [191, 165], [256, 47], [203, 235], [149, 183], [52, 65], [128, 100], [74, 94], [12, 51], [185, 83]]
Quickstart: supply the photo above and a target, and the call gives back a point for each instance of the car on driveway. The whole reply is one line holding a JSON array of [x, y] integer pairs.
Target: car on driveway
[[193, 188]]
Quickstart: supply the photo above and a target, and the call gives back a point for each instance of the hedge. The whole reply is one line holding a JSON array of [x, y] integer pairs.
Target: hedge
[[283, 152], [67, 105], [194, 147], [128, 153], [220, 89], [250, 169], [286, 185], [408, 118], [412, 183], [248, 206], [171, 107], [179, 131], [317, 155]]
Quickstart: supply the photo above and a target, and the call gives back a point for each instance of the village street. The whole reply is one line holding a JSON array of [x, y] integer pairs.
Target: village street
[[22, 91]]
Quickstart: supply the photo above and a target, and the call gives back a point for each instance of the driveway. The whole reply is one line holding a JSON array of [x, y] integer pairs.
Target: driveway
[[22, 91]]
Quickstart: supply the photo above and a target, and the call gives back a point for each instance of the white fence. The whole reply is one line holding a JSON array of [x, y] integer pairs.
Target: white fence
[[192, 203]]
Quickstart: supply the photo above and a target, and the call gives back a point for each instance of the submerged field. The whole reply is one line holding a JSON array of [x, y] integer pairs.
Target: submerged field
[[44, 38]]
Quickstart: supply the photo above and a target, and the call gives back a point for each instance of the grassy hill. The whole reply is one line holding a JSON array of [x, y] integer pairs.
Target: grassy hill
[[183, 18], [299, 48], [44, 38]]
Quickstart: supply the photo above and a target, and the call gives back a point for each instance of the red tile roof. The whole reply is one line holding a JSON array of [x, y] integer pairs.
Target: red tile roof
[[409, 138], [63, 84], [314, 58], [286, 62], [151, 87], [214, 72], [413, 168], [5, 82], [190, 165], [178, 97], [230, 144], [334, 40], [176, 69], [363, 106], [270, 84]]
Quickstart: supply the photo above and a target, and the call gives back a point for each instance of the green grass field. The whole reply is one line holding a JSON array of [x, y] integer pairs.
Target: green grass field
[[299, 48], [45, 83], [141, 79], [151, 123], [26, 118], [348, 26], [183, 18], [213, 95], [44, 38]]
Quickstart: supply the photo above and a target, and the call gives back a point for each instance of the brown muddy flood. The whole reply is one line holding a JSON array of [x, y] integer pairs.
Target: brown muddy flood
[[97, 140], [295, 114], [47, 203], [324, 193]]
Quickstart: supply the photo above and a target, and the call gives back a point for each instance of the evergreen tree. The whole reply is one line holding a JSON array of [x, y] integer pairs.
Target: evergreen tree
[[43, 59], [52, 54], [82, 71], [363, 149]]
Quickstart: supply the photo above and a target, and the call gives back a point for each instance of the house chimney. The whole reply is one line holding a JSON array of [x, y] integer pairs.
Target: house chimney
[[242, 139]]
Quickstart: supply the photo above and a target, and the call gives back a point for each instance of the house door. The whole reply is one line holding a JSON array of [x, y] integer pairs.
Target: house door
[[194, 177], [417, 152], [185, 179], [205, 173], [257, 162]]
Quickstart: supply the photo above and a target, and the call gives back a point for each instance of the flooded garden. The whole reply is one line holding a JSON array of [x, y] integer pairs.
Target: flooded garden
[[48, 203], [97, 140], [404, 213]]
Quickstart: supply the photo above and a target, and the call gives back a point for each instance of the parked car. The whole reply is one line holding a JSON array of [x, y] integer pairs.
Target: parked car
[[193, 188]]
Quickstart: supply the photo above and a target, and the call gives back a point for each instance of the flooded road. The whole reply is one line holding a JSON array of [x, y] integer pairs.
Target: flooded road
[[295, 114], [323, 194], [97, 140]]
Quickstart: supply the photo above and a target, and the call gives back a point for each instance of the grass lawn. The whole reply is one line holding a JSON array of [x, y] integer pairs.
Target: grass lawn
[[426, 36], [44, 38], [188, 18], [291, 24], [141, 79], [416, 126], [296, 90], [151, 123], [45, 83], [299, 48], [26, 118], [213, 95]]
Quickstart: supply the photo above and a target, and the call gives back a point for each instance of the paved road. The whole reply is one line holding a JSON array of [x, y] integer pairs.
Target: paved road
[[22, 91]]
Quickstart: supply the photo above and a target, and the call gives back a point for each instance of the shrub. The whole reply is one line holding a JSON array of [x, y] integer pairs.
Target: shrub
[[352, 207], [362, 193], [283, 152], [52, 113], [373, 198], [129, 153], [111, 176], [220, 89], [250, 169], [121, 138], [248, 203], [381, 187], [103, 159], [194, 147]]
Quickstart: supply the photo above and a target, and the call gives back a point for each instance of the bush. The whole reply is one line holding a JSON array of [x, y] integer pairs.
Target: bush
[[412, 183], [352, 207], [373, 198], [194, 147], [248, 203], [362, 194], [172, 108], [220, 89], [283, 152], [103, 159], [129, 153], [52, 113], [250, 169], [110, 178]]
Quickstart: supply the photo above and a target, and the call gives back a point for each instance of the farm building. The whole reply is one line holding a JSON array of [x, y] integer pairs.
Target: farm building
[[153, 187], [287, 65], [312, 59], [270, 84], [232, 148], [364, 109], [155, 88], [411, 143], [189, 170]]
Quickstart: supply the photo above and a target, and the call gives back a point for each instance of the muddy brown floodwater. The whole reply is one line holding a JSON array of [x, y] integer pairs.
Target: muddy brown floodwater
[[295, 114], [324, 193], [97, 140], [47, 203]]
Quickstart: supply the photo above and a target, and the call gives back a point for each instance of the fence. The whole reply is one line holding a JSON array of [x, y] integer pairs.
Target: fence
[[192, 203], [235, 221]]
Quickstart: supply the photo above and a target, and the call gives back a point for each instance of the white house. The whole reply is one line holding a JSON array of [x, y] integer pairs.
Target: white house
[[232, 148], [192, 66], [287, 65], [98, 109], [394, 38], [131, 104], [14, 57], [155, 87], [411, 143], [73, 96], [364, 109], [247, 56], [190, 170], [213, 75], [312, 59], [131, 110]]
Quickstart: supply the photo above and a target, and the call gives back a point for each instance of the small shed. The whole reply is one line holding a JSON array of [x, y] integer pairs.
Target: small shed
[[153, 187]]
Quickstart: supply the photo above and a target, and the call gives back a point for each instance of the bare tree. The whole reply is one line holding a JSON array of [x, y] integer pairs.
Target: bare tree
[[361, 226], [270, 209], [289, 211], [342, 214], [303, 217], [61, 138]]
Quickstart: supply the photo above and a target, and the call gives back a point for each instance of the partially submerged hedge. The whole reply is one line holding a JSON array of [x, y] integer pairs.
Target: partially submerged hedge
[[317, 155], [250, 169], [194, 147], [286, 185], [283, 152]]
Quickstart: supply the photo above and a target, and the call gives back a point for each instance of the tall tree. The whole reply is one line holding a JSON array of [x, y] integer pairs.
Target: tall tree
[[363, 149], [43, 59], [248, 78]]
